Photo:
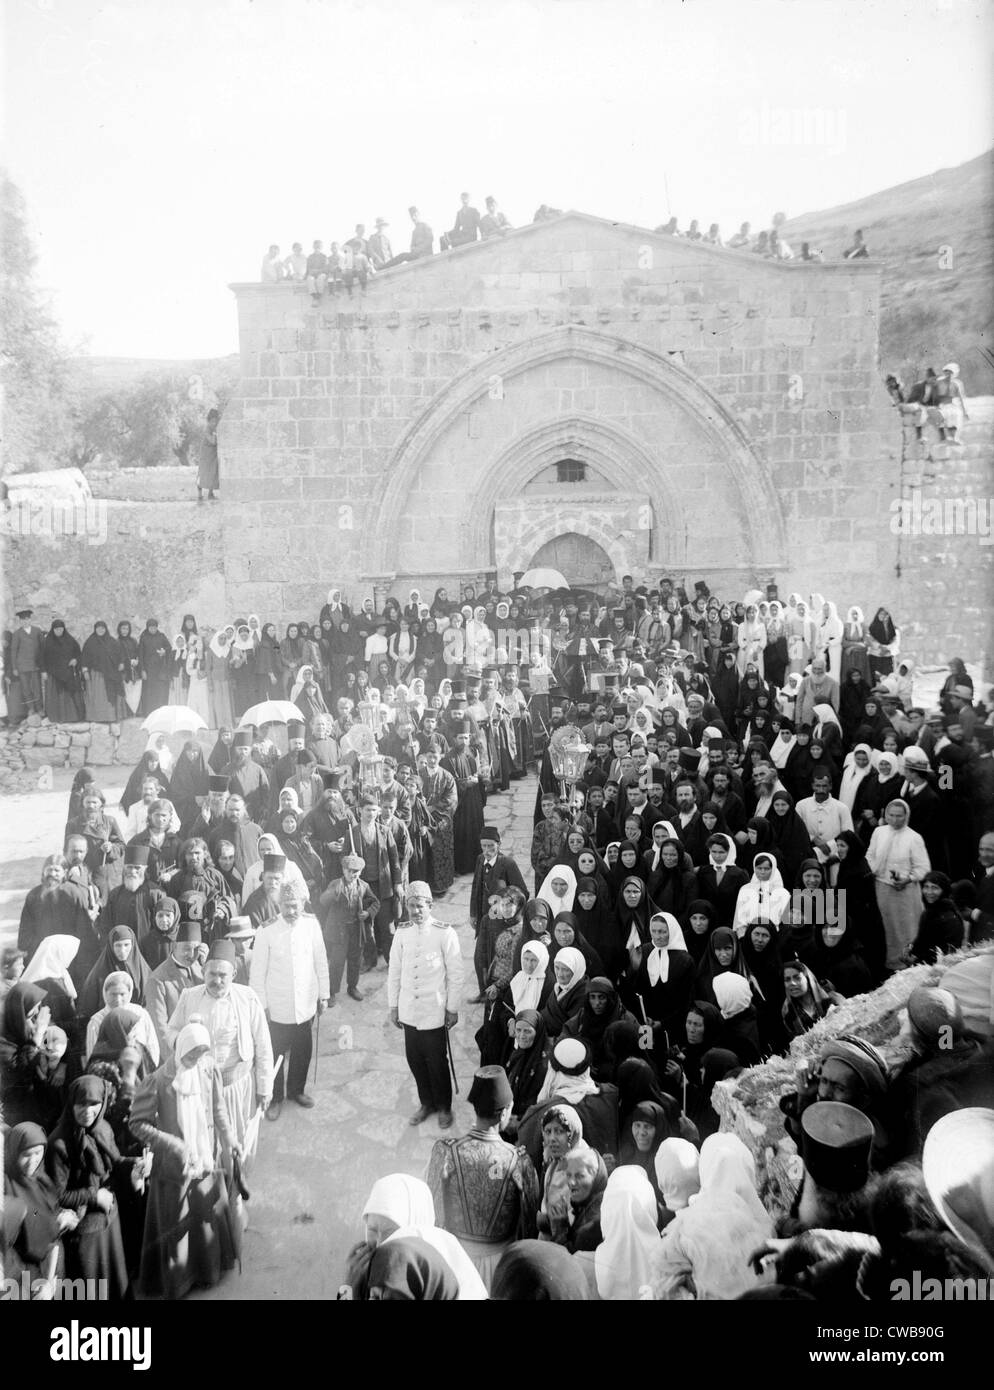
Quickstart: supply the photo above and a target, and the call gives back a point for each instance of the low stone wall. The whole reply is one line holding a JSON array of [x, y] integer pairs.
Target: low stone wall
[[38, 743], [749, 1104]]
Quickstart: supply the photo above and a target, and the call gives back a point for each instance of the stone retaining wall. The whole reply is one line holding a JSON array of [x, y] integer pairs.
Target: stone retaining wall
[[38, 743]]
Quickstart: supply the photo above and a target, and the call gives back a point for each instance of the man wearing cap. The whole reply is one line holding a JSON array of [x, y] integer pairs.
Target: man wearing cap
[[924, 806], [389, 783], [423, 988], [179, 971], [263, 904], [850, 1071], [492, 873], [240, 1041], [246, 778], [836, 1142], [287, 765], [372, 842], [346, 911], [485, 1190], [26, 663], [380, 250], [133, 902], [289, 973]]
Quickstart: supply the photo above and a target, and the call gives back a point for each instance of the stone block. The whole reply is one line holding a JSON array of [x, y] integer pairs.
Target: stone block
[[44, 757], [29, 737], [62, 740], [132, 741], [101, 749], [80, 740], [45, 738]]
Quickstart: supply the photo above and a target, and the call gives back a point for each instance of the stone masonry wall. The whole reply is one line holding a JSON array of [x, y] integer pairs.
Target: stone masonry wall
[[745, 394]]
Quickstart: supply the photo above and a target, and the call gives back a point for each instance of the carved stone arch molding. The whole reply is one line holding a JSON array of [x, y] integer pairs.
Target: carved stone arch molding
[[607, 445]]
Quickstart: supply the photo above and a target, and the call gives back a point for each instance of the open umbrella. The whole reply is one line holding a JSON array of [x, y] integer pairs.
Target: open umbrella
[[173, 719], [543, 579], [271, 712]]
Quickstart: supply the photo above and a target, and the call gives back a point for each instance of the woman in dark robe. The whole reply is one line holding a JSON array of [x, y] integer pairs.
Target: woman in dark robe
[[148, 765], [629, 864], [698, 922], [220, 754], [660, 986], [791, 841], [838, 962], [632, 910], [191, 1236], [103, 661], [86, 1167], [853, 696], [156, 667], [725, 688], [25, 1018], [822, 760], [268, 666], [642, 1132], [33, 1245], [190, 781], [536, 919], [569, 992], [83, 780], [941, 928], [598, 925], [884, 635], [468, 820], [638, 1083], [958, 675], [601, 1008], [298, 849], [854, 882], [875, 794], [61, 660], [670, 883], [120, 953], [132, 674], [761, 953], [760, 841], [566, 932], [724, 953]]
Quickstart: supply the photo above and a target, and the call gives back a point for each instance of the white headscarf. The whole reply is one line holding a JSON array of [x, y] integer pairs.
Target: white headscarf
[[825, 714], [51, 961], [733, 993], [569, 1088], [732, 851], [526, 990], [677, 1173], [657, 961], [565, 903], [408, 1201], [189, 1099], [959, 1175], [573, 959], [623, 1260], [761, 901], [780, 750]]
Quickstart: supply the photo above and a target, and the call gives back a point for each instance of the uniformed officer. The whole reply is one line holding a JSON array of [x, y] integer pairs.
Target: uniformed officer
[[423, 985]]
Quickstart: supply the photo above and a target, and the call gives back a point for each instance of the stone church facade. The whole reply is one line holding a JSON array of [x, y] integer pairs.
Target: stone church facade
[[580, 393]]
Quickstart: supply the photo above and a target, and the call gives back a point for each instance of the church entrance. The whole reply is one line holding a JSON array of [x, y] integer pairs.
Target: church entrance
[[584, 563]]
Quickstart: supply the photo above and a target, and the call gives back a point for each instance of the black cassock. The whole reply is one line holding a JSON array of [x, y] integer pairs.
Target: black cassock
[[467, 824]]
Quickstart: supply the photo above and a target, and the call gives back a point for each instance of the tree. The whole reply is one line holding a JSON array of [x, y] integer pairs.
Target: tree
[[37, 375], [155, 420]]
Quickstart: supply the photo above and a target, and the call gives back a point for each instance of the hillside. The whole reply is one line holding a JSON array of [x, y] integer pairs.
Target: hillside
[[107, 373], [930, 315]]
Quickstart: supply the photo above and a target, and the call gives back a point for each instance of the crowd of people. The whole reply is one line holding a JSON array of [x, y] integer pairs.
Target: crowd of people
[[936, 399], [762, 823]]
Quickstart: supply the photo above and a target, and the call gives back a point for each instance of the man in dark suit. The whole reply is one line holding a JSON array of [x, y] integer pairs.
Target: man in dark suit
[[346, 912], [982, 916], [718, 882], [493, 873], [26, 661], [372, 842]]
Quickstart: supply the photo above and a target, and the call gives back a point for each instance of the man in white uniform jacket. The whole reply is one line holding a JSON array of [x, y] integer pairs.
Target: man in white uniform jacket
[[423, 985]]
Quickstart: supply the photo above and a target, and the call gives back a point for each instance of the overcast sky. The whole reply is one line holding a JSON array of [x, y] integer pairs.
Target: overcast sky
[[163, 145]]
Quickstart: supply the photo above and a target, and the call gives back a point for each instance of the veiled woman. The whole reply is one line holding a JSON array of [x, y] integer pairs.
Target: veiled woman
[[103, 661], [269, 665], [61, 660], [34, 1222], [86, 1167], [569, 992], [191, 1236], [120, 953], [156, 666]]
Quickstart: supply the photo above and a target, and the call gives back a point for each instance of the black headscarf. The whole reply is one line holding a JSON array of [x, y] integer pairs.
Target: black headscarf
[[89, 1155], [765, 967], [103, 653], [790, 838], [883, 630], [91, 996], [697, 945], [526, 1067], [129, 651], [189, 779], [146, 766], [538, 1271], [58, 649], [112, 1039], [764, 843], [651, 1112], [22, 998], [39, 1229], [586, 949]]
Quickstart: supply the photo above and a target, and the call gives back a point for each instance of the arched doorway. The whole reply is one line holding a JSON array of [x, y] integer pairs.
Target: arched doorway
[[579, 559]]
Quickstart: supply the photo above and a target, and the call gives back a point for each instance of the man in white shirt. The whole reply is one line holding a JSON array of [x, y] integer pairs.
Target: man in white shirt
[[272, 267], [136, 819], [290, 975], [423, 985], [824, 816]]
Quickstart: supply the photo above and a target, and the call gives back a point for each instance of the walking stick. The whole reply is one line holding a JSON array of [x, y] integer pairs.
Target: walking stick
[[317, 1043], [452, 1065]]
